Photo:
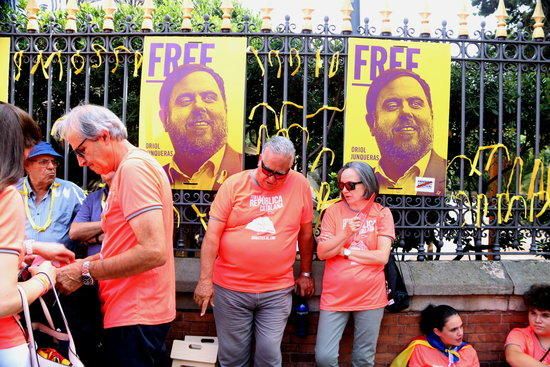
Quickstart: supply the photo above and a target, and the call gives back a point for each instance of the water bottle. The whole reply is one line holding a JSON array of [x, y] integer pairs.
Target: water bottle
[[302, 316]]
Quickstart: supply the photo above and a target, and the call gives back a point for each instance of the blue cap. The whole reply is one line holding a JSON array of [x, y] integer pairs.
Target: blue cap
[[43, 148]]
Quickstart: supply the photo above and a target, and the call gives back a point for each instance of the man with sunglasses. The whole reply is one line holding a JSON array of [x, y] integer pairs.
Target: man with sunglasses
[[50, 203], [248, 253]]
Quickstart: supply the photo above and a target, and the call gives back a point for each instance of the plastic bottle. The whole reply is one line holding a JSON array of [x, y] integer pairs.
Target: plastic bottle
[[302, 317]]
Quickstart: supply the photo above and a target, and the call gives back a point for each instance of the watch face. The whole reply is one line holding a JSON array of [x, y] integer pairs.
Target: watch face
[[347, 252], [87, 280]]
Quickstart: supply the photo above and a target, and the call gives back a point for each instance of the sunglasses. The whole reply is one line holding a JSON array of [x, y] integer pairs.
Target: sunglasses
[[79, 152], [350, 186], [269, 172]]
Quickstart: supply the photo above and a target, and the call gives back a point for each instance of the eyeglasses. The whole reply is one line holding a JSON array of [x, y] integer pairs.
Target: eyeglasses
[[80, 152], [350, 186], [269, 172], [46, 162]]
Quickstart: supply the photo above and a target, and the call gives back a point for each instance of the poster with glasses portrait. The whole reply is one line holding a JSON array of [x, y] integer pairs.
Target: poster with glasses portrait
[[397, 114], [4, 67], [192, 108]]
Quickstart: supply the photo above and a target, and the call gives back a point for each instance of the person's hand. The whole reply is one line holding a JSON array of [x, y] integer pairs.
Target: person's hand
[[304, 286], [54, 252], [204, 295], [47, 268], [353, 225], [69, 277]]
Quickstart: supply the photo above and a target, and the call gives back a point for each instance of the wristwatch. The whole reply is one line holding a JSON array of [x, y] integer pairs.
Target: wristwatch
[[86, 276], [306, 274], [347, 252]]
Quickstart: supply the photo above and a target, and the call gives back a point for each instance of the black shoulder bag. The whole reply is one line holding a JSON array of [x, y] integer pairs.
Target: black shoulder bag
[[398, 297]]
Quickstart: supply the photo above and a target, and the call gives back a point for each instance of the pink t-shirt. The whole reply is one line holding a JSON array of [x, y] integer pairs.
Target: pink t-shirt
[[423, 356], [258, 245], [528, 342], [12, 234], [348, 285], [148, 298]]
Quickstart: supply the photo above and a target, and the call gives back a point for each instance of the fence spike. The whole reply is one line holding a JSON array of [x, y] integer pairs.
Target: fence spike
[[386, 23], [109, 7], [148, 9], [32, 11], [501, 14], [425, 30], [307, 10], [227, 9], [186, 9], [72, 8], [538, 16], [463, 20], [266, 16], [346, 10]]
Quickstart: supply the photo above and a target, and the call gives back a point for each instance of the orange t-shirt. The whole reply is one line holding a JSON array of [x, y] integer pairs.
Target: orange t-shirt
[[423, 356], [348, 285], [258, 245], [12, 234], [148, 298], [528, 342]]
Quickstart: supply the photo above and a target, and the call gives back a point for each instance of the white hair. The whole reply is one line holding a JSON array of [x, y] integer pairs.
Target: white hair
[[90, 120]]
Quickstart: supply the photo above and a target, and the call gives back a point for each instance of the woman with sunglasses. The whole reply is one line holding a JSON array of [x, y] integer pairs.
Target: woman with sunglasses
[[19, 134], [355, 240]]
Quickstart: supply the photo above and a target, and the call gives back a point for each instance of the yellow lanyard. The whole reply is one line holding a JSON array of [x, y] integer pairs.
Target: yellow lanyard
[[26, 194]]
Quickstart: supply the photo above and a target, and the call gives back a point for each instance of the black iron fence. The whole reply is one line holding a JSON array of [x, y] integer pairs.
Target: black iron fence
[[500, 96]]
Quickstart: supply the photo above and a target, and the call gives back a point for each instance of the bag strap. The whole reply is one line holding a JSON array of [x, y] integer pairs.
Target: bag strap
[[30, 335], [545, 354]]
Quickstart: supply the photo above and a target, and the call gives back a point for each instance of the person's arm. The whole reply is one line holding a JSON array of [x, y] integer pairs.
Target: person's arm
[[86, 231], [379, 256], [148, 254], [204, 291], [10, 301], [53, 251], [331, 246], [517, 358], [305, 285]]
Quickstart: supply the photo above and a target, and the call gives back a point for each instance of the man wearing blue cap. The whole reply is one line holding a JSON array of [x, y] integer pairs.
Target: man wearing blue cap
[[50, 203]]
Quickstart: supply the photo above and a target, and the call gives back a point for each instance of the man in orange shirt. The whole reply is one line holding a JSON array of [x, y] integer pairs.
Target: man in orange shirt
[[135, 267], [248, 254]]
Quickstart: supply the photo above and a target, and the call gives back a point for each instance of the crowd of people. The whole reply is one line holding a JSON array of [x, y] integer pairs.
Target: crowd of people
[[111, 255]]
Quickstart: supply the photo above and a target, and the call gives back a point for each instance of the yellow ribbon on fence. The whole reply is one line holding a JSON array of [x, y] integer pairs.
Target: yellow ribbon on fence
[[138, 60], [285, 132], [266, 105], [517, 161], [39, 62], [263, 128], [511, 204], [479, 199], [288, 103], [318, 158], [334, 64], [178, 217], [494, 149], [537, 165], [78, 70], [117, 50], [323, 201], [48, 62], [97, 48], [460, 156], [201, 216], [318, 62], [276, 53], [328, 108], [297, 55], [255, 52], [500, 196], [18, 60]]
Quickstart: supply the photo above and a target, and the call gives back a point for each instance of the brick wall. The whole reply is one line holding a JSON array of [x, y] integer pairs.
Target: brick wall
[[485, 330]]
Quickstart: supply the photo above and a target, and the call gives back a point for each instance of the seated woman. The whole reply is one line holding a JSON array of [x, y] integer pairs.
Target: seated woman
[[442, 343], [530, 346], [355, 240]]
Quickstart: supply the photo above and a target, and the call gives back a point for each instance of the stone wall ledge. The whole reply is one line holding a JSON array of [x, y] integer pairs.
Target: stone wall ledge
[[466, 285]]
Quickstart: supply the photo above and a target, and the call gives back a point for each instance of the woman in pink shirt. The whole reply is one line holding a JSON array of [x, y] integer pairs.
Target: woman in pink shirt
[[442, 343], [355, 240], [19, 134], [530, 346]]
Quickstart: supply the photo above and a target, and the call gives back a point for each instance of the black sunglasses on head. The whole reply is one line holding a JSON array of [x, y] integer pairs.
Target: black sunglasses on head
[[350, 186], [269, 172]]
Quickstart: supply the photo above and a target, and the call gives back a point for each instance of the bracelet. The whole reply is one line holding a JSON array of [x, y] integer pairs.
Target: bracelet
[[44, 282], [28, 246]]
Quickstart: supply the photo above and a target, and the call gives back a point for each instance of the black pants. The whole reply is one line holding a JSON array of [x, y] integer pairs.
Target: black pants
[[136, 345]]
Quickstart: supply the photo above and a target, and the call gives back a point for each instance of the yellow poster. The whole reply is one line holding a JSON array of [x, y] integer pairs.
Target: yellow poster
[[192, 108], [4, 67], [397, 114]]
